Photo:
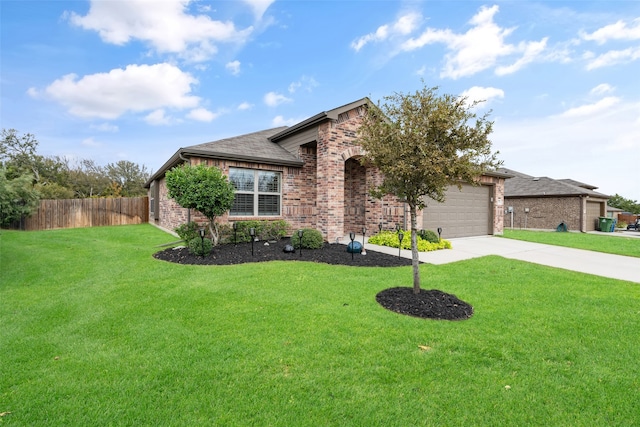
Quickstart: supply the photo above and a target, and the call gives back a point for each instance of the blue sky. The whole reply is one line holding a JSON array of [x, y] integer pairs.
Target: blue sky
[[138, 79]]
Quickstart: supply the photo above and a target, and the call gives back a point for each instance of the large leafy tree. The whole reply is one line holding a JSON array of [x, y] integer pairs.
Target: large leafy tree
[[18, 153], [205, 189], [129, 177], [422, 143], [627, 205], [18, 197]]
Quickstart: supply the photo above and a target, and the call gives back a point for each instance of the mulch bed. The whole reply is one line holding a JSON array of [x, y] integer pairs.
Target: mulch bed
[[432, 304]]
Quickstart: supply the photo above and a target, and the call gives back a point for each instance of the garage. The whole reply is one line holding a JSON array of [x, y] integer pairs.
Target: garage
[[593, 214], [464, 213]]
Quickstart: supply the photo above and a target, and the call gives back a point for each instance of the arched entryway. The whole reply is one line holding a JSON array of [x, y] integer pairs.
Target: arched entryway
[[355, 196]]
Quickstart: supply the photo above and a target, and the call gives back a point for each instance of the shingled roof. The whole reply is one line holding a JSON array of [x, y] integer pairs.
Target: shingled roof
[[255, 147], [522, 185]]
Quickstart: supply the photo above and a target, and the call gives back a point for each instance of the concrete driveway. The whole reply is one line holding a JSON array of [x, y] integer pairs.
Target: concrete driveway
[[599, 264]]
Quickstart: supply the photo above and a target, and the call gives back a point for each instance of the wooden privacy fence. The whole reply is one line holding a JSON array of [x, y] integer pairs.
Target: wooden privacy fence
[[73, 213], [628, 218]]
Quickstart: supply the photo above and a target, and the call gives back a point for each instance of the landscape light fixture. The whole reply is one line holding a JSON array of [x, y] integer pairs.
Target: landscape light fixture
[[380, 227], [352, 236], [439, 234], [235, 233], [300, 233], [397, 226], [364, 232], [201, 232], [400, 237], [252, 233]]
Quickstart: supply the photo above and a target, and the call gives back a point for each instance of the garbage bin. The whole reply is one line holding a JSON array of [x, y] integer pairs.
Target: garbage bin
[[606, 224]]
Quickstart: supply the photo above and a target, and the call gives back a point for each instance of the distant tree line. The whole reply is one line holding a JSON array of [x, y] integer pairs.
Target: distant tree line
[[627, 205], [26, 177]]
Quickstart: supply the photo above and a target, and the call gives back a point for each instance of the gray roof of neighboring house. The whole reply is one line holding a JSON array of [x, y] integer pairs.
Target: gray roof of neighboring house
[[522, 185]]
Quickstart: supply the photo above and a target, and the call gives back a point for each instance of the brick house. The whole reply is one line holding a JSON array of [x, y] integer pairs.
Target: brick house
[[310, 175], [544, 203]]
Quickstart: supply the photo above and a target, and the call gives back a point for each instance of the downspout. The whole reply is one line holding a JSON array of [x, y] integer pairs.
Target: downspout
[[186, 160], [583, 212]]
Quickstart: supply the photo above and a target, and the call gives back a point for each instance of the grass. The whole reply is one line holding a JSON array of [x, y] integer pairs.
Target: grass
[[617, 245], [97, 332]]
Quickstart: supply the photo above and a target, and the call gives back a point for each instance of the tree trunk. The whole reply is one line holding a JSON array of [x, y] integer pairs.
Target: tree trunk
[[213, 231], [415, 255]]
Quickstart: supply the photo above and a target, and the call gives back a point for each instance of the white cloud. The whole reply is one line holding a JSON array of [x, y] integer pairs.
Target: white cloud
[[245, 106], [404, 25], [105, 127], [259, 7], [90, 142], [421, 71], [165, 25], [617, 31], [479, 48], [233, 67], [592, 145], [273, 99], [531, 52], [202, 115], [136, 88], [597, 108], [479, 94], [157, 118], [281, 121], [614, 57], [306, 83], [601, 89]]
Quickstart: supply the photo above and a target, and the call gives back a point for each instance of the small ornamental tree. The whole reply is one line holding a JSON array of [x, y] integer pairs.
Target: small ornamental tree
[[205, 189], [422, 143]]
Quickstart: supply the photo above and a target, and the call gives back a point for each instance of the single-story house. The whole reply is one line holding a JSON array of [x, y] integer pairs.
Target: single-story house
[[614, 212], [310, 175], [543, 203]]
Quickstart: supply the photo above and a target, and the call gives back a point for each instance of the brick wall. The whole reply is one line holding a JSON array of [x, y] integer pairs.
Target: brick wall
[[544, 213], [497, 195]]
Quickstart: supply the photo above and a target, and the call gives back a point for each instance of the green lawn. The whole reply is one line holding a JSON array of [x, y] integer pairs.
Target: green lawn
[[94, 331], [610, 244]]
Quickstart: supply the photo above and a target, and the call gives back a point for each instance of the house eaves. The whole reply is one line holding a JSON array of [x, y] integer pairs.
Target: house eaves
[[333, 114], [252, 148]]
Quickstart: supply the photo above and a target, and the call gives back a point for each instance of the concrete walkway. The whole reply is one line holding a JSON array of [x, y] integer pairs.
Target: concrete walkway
[[599, 264]]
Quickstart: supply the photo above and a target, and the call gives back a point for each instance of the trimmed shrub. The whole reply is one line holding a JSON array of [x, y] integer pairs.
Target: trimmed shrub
[[200, 247], [188, 231], [390, 238], [265, 230], [311, 239], [429, 236]]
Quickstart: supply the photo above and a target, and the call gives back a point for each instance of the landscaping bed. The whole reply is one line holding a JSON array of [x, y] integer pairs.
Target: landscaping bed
[[431, 304]]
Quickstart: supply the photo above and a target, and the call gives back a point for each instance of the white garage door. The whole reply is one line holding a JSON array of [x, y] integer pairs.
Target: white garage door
[[464, 213]]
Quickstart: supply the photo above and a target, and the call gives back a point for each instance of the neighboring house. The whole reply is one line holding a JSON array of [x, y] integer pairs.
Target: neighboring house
[[614, 212], [310, 175], [544, 203]]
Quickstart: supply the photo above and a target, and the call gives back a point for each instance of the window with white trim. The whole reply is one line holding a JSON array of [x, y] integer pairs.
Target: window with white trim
[[258, 193]]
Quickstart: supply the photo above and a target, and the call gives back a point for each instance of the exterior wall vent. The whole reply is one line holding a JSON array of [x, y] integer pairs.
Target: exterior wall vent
[[343, 117]]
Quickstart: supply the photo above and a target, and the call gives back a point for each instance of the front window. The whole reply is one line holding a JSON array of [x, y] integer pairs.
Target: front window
[[258, 193]]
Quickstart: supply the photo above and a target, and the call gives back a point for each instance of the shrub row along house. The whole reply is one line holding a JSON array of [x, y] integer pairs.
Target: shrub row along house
[[310, 175]]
